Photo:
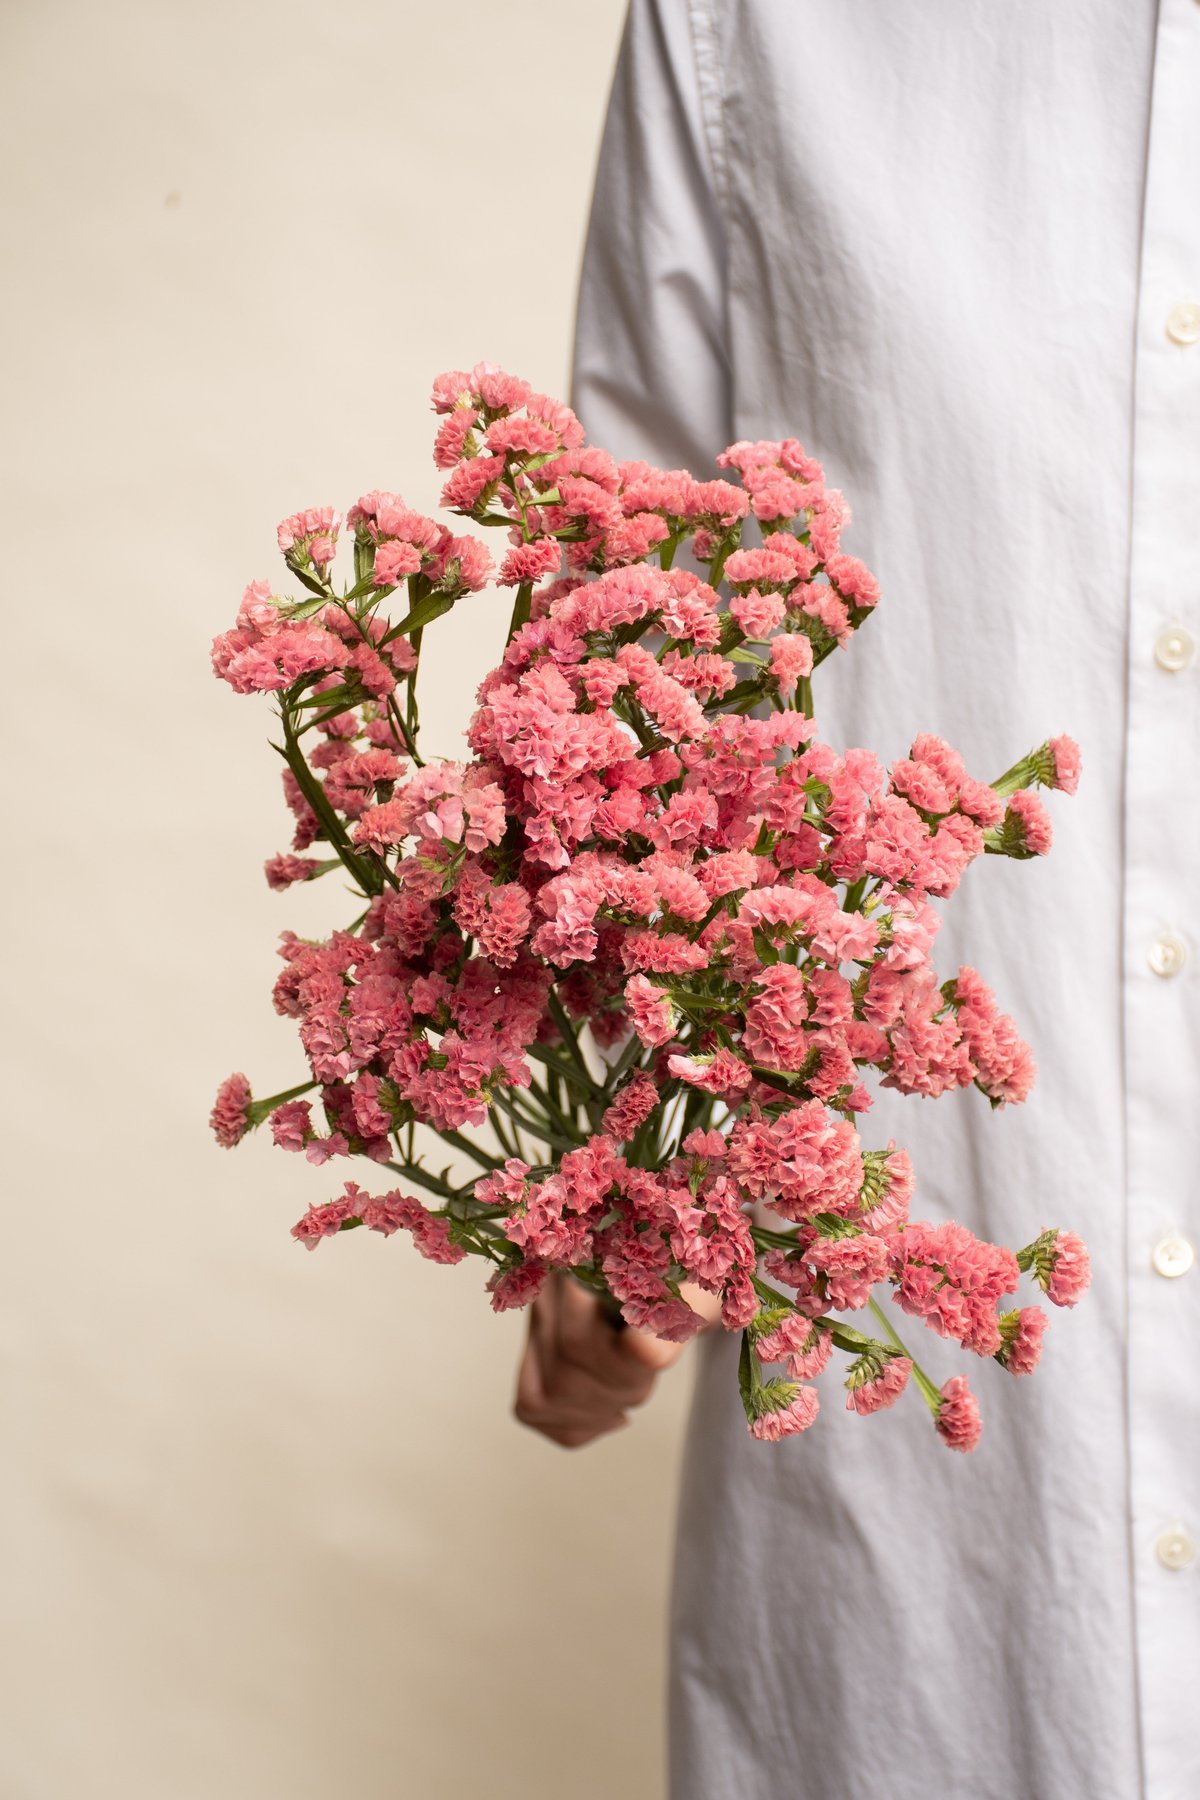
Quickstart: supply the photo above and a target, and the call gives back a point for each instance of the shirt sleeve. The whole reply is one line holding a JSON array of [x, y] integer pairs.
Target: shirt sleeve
[[651, 369]]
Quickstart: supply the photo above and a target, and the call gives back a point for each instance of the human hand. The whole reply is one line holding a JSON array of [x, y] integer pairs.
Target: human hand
[[580, 1374]]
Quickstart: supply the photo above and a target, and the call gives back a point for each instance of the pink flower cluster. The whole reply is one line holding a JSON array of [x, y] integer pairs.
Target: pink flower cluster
[[641, 954]]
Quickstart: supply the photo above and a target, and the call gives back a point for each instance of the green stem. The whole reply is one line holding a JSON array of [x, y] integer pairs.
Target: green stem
[[553, 1113], [717, 567], [369, 875], [1018, 776], [506, 1144], [412, 721], [398, 724], [566, 1030], [766, 1292], [774, 1239], [929, 1392], [258, 1110], [512, 477], [538, 1128], [564, 1070], [482, 1157], [520, 611], [432, 1183], [631, 1054]]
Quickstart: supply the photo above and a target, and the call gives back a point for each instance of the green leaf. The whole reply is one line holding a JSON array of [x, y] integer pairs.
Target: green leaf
[[421, 615], [748, 1378], [304, 609], [313, 586], [364, 869], [331, 697], [521, 606], [745, 693]]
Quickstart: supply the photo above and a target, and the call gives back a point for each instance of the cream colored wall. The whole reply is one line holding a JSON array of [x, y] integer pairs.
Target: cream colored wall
[[270, 1530]]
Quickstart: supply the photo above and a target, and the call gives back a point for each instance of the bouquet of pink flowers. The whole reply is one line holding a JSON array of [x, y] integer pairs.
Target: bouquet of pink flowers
[[631, 958]]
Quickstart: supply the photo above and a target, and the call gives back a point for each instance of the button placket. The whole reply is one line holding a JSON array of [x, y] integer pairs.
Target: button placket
[[1162, 867]]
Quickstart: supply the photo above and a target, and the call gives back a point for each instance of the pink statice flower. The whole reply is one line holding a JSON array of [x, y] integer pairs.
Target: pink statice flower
[[1026, 828], [283, 871], [958, 1422], [791, 660], [953, 1280], [291, 1125], [631, 1108], [230, 1116], [310, 536], [791, 1408], [650, 1010], [708, 1144], [803, 1162], [876, 1381], [720, 1073], [454, 438], [253, 662], [1072, 1272], [1059, 1263], [517, 1284], [852, 579], [887, 1189], [388, 1213], [757, 614], [328, 1218], [1064, 752], [1021, 1340], [849, 1268], [531, 562], [796, 1339]]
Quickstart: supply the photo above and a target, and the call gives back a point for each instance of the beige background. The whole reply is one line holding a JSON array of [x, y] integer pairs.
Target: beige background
[[270, 1530]]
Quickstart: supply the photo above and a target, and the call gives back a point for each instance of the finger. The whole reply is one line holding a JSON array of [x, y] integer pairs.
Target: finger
[[644, 1349], [531, 1389], [536, 1374], [574, 1437], [586, 1336], [588, 1343], [593, 1385], [656, 1352], [553, 1396], [543, 1325], [702, 1302], [579, 1375], [566, 1418]]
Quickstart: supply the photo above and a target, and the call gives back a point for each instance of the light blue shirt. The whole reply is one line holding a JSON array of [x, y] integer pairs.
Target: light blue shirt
[[955, 249]]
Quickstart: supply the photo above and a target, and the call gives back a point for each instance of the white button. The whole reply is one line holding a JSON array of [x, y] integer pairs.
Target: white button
[[1183, 323], [1174, 1548], [1174, 648], [1173, 1255], [1167, 955]]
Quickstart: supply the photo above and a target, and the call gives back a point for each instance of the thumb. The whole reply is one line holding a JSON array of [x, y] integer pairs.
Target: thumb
[[655, 1352], [650, 1351]]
